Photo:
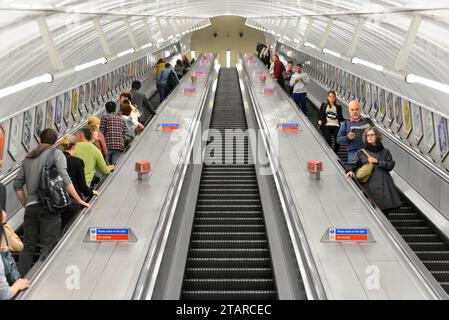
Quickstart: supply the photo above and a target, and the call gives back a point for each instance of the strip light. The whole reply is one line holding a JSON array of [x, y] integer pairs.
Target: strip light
[[124, 53], [45, 78], [332, 53], [412, 78], [102, 60], [367, 64], [148, 45], [310, 45]]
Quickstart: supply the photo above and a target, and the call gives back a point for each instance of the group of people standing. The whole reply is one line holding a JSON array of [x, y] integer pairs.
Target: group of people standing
[[167, 78]]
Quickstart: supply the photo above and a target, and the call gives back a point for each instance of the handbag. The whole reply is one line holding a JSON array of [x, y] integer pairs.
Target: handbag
[[11, 272], [364, 172]]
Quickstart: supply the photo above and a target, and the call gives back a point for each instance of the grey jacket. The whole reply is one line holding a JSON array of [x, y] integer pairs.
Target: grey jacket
[[30, 171], [5, 290], [141, 102]]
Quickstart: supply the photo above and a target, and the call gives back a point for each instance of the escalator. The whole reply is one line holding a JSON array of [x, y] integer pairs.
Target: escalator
[[228, 255], [431, 247]]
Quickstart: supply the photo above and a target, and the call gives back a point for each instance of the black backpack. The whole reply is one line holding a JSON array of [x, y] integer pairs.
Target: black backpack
[[172, 81], [52, 192]]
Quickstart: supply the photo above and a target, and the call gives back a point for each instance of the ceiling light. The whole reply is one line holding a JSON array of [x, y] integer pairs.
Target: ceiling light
[[367, 64], [332, 53], [45, 78], [412, 78], [124, 53], [102, 60]]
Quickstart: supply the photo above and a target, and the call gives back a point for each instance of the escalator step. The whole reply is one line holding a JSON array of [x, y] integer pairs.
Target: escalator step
[[229, 295], [437, 265], [408, 223], [415, 230], [229, 284], [229, 228], [229, 244], [428, 246], [228, 262], [421, 237], [226, 220], [433, 255], [240, 236], [228, 273], [441, 276], [237, 213], [228, 253]]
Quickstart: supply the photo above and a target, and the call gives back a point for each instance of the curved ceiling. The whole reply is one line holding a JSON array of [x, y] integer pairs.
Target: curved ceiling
[[23, 54]]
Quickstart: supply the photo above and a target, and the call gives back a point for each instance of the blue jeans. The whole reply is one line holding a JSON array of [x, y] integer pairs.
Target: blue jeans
[[163, 92], [301, 101], [113, 156]]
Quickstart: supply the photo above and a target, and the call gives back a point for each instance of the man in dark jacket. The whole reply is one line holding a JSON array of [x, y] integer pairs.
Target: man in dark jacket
[[141, 102], [40, 225], [278, 71]]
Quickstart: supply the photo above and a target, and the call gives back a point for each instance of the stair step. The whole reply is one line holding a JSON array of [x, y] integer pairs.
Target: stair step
[[229, 284]]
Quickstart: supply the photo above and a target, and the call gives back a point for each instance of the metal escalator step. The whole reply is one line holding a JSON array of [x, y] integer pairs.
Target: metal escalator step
[[229, 228], [403, 210], [229, 295], [229, 192], [227, 220], [228, 253], [229, 284], [433, 255], [228, 214], [237, 236], [421, 237], [228, 273], [229, 243], [445, 286], [404, 215], [428, 246], [415, 230], [441, 276], [228, 262], [408, 222], [437, 265], [228, 206]]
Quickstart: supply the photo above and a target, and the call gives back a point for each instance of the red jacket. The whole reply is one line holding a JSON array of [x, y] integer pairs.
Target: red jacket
[[278, 69]]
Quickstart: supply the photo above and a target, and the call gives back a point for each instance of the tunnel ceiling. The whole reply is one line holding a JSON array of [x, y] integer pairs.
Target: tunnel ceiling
[[71, 24]]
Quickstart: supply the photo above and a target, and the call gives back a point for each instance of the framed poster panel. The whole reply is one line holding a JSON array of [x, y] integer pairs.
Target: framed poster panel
[[428, 130], [362, 93], [348, 86], [417, 123], [75, 97], [67, 107], [39, 124], [407, 117], [374, 100], [398, 112], [104, 86], [81, 94], [382, 103], [59, 112], [2, 146], [389, 108], [442, 138], [27, 130], [358, 96], [99, 88], [87, 100], [368, 98], [93, 94], [50, 113], [13, 144]]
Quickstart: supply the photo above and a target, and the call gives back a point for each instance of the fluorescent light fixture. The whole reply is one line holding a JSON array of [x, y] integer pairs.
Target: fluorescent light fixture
[[148, 45], [272, 32], [287, 38], [289, 53], [160, 40], [228, 59], [178, 35], [183, 33], [332, 53], [102, 60], [45, 78], [167, 53], [170, 37], [297, 41], [412, 78], [193, 55], [124, 53], [279, 35], [310, 45], [367, 64]]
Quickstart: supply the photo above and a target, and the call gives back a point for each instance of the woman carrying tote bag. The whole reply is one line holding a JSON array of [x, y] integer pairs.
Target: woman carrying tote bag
[[380, 185]]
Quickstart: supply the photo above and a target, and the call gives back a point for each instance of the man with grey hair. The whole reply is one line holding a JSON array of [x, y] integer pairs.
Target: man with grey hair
[[351, 131]]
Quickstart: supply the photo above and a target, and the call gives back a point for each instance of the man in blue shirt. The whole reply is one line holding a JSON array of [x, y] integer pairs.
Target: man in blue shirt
[[347, 134], [163, 81]]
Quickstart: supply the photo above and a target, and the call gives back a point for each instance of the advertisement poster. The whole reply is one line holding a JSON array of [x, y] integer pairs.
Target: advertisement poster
[[362, 93], [93, 93], [442, 138], [382, 103], [75, 97], [428, 130], [81, 96], [407, 117], [67, 106], [99, 90], [59, 110], [417, 123], [389, 107], [50, 112], [2, 146], [398, 113], [14, 138], [368, 97], [27, 130], [87, 100], [39, 124], [375, 100]]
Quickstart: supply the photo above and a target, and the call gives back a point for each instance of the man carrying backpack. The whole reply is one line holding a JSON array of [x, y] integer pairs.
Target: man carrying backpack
[[167, 81], [41, 223]]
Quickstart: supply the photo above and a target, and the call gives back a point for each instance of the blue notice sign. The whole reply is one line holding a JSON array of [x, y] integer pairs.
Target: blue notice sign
[[348, 234]]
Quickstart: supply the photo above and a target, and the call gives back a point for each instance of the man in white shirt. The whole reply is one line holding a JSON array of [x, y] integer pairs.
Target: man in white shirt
[[298, 81]]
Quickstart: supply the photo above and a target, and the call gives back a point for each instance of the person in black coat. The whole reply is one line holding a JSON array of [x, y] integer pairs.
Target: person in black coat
[[75, 169], [380, 185], [330, 117]]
